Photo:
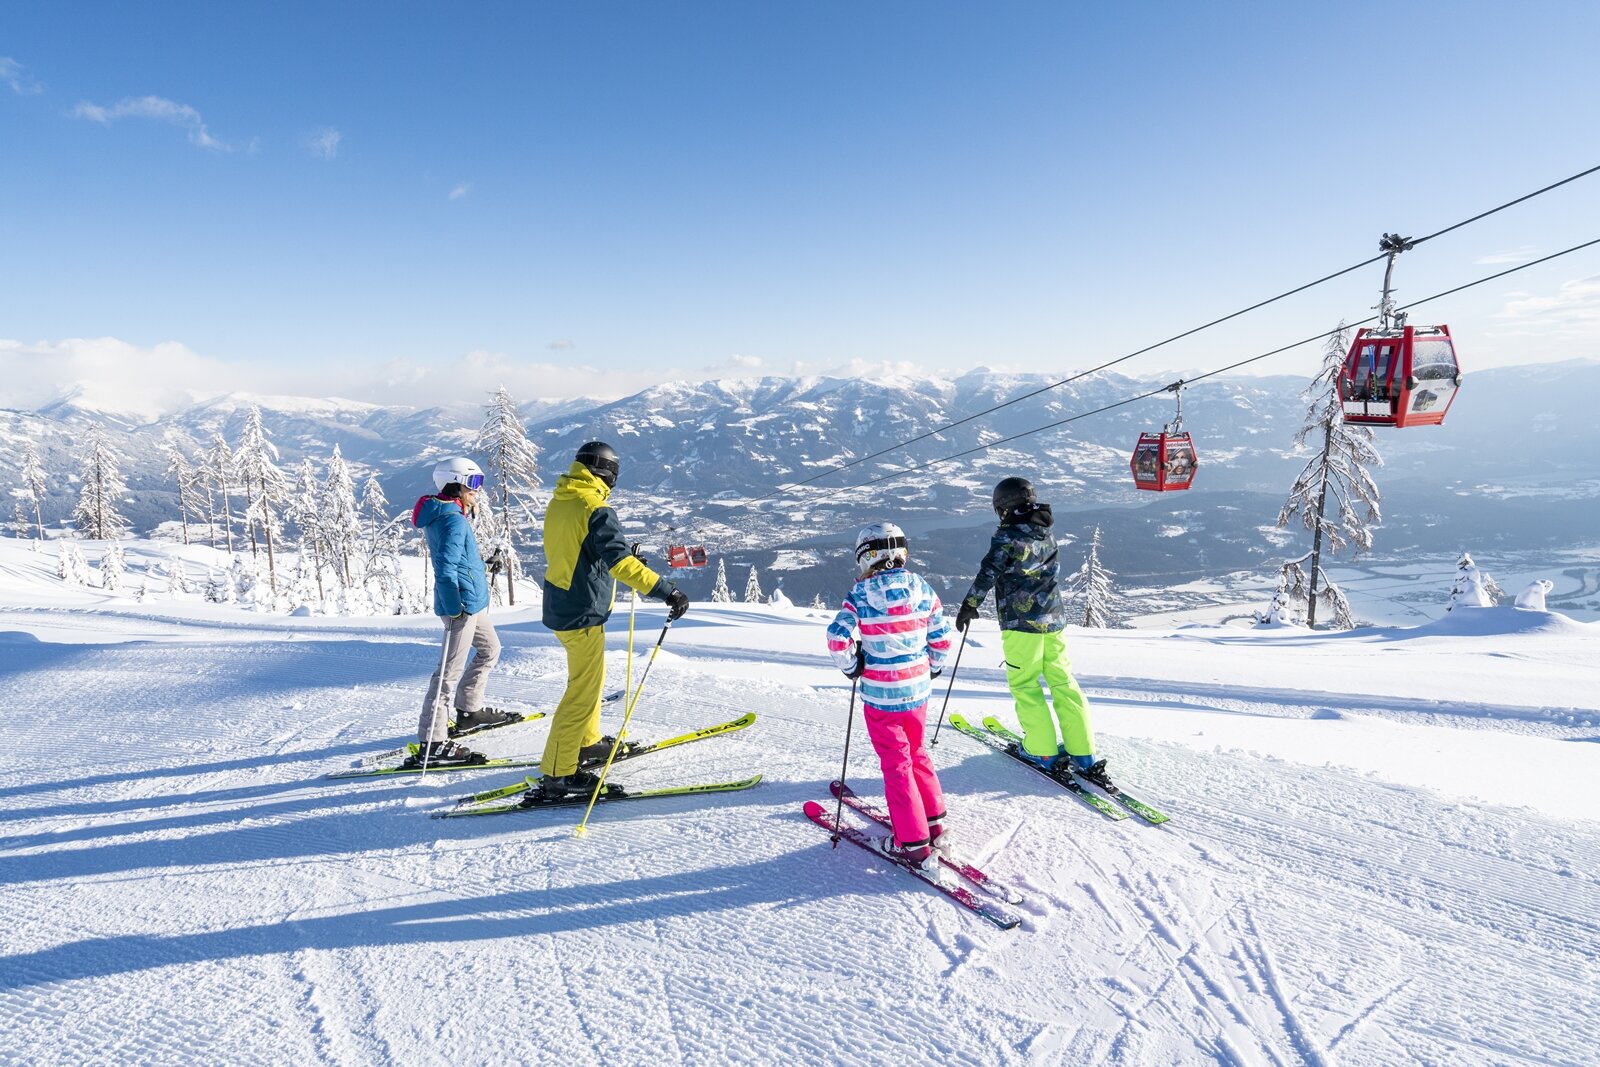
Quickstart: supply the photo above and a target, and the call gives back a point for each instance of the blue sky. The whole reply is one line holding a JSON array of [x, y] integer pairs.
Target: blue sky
[[416, 202]]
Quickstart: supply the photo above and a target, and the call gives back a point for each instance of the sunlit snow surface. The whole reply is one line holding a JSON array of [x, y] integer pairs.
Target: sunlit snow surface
[[1384, 848]]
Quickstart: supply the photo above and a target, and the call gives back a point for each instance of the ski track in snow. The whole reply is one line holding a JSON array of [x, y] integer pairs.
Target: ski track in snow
[[193, 887]]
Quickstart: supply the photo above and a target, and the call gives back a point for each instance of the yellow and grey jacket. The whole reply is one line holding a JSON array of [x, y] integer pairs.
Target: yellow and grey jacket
[[586, 555]]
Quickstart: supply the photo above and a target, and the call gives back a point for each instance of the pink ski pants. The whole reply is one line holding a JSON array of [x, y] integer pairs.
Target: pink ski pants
[[909, 781]]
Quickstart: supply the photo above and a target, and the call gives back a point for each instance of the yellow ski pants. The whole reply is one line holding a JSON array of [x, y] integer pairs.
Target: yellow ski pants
[[577, 718], [1028, 657]]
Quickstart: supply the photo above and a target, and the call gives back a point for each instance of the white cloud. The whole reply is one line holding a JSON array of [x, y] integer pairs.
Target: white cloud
[[16, 75], [460, 190], [323, 143], [1508, 256], [150, 381], [108, 374], [1572, 313], [157, 108], [562, 345]]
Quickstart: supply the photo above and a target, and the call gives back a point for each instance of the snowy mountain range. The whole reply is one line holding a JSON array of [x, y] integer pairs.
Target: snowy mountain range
[[708, 462]]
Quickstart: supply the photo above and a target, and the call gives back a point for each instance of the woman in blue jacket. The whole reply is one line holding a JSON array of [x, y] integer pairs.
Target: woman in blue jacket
[[461, 600]]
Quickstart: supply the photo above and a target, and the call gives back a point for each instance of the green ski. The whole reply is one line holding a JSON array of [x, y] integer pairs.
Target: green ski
[[628, 751], [1094, 800], [1116, 792], [434, 768], [533, 801]]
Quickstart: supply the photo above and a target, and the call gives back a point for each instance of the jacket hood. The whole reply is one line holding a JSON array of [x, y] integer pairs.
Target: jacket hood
[[581, 483], [1040, 517], [877, 587], [429, 508]]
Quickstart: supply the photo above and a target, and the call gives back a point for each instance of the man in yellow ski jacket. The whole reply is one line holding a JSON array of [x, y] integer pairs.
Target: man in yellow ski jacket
[[585, 556]]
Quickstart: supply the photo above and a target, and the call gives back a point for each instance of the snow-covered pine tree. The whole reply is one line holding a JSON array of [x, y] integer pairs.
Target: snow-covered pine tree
[[183, 476], [1284, 609], [144, 588], [219, 461], [113, 564], [302, 511], [1338, 471], [33, 484], [721, 594], [264, 487], [1473, 588], [817, 604], [384, 577], [244, 578], [177, 581], [305, 582], [1089, 589], [340, 517], [374, 505], [96, 514], [219, 587], [19, 521], [71, 567], [752, 588], [513, 462]]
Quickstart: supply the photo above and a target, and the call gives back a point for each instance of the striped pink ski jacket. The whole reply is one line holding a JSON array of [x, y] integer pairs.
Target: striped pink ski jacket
[[897, 618]]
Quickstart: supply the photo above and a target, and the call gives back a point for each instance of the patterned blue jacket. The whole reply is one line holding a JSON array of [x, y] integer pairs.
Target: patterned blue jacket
[[1023, 571]]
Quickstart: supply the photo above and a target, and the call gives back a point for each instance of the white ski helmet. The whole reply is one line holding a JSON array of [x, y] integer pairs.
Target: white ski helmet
[[879, 542], [460, 470]]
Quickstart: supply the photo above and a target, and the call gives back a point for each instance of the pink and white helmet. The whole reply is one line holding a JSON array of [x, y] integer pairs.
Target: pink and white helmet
[[879, 542]]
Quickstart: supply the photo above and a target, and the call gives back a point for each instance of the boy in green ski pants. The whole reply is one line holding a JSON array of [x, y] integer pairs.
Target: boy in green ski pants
[[1021, 567]]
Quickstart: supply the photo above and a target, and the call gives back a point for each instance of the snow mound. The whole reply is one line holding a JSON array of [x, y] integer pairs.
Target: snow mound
[[1500, 620]]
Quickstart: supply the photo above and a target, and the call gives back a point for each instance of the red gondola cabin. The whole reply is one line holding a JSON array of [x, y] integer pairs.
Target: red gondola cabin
[[686, 555], [1163, 462], [1400, 377]]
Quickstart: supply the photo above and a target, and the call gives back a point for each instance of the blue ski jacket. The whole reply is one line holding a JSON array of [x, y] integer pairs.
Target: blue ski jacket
[[460, 579]]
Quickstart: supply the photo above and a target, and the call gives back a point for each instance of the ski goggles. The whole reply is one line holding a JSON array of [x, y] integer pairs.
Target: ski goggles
[[474, 481]]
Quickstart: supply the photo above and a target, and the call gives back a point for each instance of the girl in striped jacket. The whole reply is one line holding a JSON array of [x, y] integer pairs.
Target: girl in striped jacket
[[892, 635]]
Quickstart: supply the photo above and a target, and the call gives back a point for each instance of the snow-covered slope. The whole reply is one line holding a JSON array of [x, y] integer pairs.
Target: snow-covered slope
[[1383, 849]]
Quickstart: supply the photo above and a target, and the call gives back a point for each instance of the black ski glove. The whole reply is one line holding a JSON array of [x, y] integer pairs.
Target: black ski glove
[[965, 616], [677, 604], [861, 663]]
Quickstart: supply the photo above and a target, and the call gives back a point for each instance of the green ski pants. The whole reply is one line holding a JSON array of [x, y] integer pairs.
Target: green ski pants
[[1028, 657]]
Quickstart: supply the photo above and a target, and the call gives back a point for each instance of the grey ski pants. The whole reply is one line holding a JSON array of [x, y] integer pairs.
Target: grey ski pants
[[461, 635]]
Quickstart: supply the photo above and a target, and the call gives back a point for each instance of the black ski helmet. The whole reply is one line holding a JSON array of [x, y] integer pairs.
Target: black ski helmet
[[601, 459], [1012, 493]]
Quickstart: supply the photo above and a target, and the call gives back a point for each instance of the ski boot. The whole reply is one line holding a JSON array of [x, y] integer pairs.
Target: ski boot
[[595, 754], [444, 754], [939, 835], [561, 786], [1047, 764], [1095, 773], [919, 857], [468, 722]]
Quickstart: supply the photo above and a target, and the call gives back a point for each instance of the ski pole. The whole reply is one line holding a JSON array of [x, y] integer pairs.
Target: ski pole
[[627, 677], [849, 724], [583, 827], [953, 668], [438, 695]]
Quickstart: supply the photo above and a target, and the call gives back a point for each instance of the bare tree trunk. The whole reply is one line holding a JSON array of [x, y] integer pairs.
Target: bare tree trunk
[[266, 528], [1316, 533], [227, 508], [251, 524]]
